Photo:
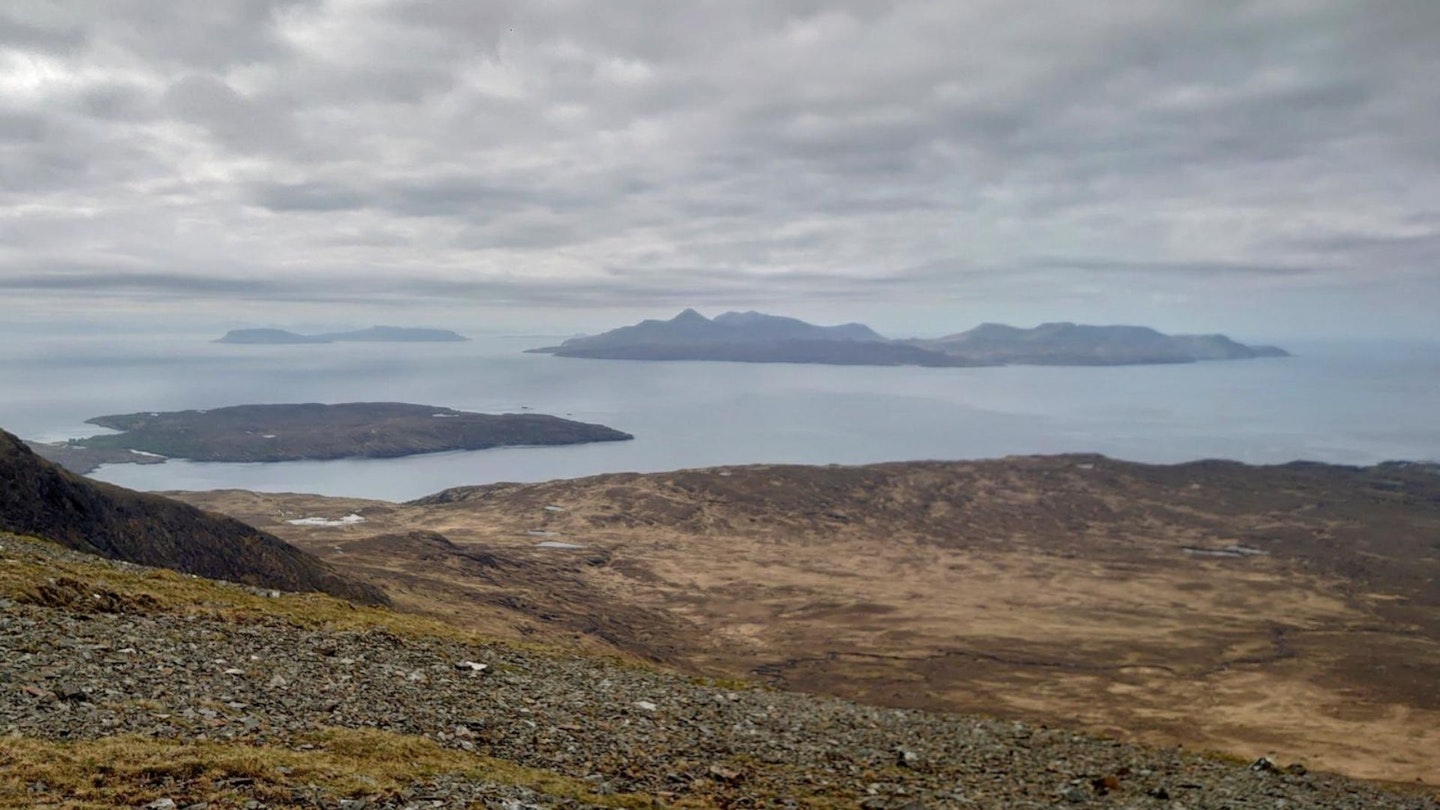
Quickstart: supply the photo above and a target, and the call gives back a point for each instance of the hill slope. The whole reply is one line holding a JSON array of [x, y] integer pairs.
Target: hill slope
[[39, 498], [174, 693], [1292, 609]]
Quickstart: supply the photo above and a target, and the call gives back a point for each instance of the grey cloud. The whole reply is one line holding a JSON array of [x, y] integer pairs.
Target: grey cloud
[[208, 36], [908, 150], [39, 24], [111, 280], [619, 288], [1181, 268], [23, 127], [235, 120], [307, 196]]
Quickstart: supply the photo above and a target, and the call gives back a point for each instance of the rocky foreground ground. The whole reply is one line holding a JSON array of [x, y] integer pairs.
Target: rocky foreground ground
[[230, 704]]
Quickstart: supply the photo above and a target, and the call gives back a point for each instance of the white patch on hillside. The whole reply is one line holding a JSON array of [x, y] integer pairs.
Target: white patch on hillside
[[348, 520]]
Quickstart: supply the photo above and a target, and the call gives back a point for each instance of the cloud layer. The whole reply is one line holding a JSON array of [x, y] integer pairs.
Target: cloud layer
[[556, 153]]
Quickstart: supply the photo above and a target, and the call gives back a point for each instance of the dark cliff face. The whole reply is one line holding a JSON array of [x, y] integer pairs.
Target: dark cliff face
[[38, 498]]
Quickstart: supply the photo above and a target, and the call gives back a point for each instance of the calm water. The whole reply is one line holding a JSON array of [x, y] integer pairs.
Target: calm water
[[1346, 405]]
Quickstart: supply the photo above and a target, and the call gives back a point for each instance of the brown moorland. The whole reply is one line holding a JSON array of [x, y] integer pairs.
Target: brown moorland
[[1290, 611]]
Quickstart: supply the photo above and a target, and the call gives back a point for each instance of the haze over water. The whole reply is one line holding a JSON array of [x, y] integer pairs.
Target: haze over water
[[1334, 403]]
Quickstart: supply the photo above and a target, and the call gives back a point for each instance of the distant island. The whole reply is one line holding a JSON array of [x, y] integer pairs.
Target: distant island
[[374, 334], [754, 337], [1070, 344], [751, 337], [312, 432]]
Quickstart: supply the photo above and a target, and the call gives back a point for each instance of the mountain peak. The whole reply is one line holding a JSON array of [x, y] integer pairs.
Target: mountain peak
[[689, 316]]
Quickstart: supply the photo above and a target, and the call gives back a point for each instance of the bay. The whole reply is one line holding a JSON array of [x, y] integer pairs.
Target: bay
[[1339, 403]]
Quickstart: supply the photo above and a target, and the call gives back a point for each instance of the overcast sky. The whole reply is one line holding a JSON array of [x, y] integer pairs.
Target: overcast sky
[[1268, 168]]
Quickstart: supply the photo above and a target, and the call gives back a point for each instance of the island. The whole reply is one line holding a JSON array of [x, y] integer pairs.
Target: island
[[1071, 344], [312, 432], [373, 334], [751, 337], [755, 337]]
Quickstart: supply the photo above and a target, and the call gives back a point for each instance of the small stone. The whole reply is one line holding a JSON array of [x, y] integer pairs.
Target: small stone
[[471, 666], [906, 758], [724, 774], [646, 705], [70, 692], [1263, 765], [1105, 784], [161, 804], [1075, 794], [1296, 769]]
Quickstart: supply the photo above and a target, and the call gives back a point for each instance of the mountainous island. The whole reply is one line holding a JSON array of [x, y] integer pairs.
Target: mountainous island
[[1070, 344], [750, 337], [312, 431], [374, 334], [754, 337]]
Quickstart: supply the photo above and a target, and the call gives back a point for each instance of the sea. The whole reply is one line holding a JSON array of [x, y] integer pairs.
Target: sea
[[1341, 402]]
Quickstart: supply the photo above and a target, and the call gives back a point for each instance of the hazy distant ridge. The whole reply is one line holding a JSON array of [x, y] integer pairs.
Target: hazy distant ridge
[[374, 334], [1067, 343], [754, 337]]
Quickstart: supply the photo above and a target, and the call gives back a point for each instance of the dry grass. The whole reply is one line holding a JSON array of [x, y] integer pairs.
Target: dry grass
[[25, 576], [21, 577], [130, 771]]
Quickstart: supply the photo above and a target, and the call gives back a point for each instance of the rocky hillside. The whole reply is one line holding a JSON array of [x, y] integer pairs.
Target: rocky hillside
[[39, 498], [123, 687], [1291, 611]]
